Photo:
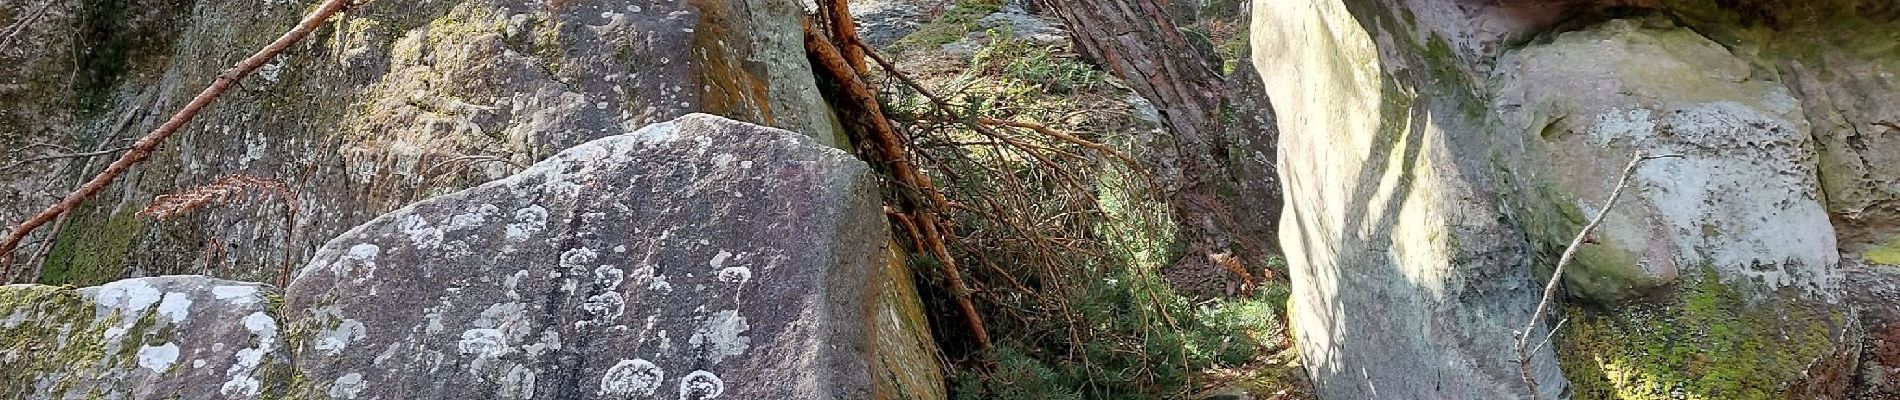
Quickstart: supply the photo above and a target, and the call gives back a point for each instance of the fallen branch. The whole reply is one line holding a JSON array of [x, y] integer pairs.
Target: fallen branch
[[142, 149], [1524, 349], [892, 152], [13, 31]]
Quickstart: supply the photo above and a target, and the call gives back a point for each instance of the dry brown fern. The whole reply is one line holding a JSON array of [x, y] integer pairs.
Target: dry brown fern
[[227, 190], [224, 190]]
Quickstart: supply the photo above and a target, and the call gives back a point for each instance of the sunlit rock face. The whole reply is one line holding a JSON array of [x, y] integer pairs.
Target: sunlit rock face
[[697, 258], [1438, 155]]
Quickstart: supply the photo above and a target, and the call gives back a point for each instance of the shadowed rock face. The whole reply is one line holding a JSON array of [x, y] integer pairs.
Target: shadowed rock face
[[165, 337], [698, 258]]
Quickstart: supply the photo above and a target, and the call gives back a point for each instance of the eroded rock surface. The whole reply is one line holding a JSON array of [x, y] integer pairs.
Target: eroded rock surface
[[696, 259]]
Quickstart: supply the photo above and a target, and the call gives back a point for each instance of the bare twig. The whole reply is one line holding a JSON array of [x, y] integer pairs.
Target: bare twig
[[1051, 132], [144, 147], [22, 163], [1524, 349]]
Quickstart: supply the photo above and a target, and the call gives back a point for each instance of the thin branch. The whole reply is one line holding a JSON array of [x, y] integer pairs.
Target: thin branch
[[23, 163], [144, 147], [1051, 132], [1524, 350]]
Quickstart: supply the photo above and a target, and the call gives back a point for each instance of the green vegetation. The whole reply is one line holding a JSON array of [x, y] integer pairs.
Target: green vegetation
[[955, 23], [1885, 254], [1065, 245], [92, 249], [1707, 342], [1040, 67]]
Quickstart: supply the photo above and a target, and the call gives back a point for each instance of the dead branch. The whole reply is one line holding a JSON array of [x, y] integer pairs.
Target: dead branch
[[144, 147], [23, 163], [1051, 132], [217, 192], [892, 151], [1524, 350]]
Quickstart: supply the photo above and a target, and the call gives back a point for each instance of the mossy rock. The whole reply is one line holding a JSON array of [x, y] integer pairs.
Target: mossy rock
[[1704, 340]]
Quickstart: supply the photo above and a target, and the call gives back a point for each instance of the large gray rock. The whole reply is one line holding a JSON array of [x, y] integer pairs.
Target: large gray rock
[[1408, 280], [166, 337], [1741, 197], [389, 103], [693, 259]]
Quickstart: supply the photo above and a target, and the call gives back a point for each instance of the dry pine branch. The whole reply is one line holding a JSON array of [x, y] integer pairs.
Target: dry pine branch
[[221, 191]]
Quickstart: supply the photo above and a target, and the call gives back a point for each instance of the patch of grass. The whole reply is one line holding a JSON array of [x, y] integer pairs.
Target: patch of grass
[[955, 23], [1040, 66]]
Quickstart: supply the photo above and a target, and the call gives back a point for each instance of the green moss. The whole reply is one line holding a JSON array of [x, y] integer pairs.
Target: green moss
[[1804, 30], [1885, 254], [92, 248], [59, 335], [1706, 341]]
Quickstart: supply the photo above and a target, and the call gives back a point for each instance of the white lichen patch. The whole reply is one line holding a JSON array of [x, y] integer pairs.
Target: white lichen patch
[[737, 275], [631, 378], [528, 221], [476, 217], [176, 307], [236, 295], [701, 385], [333, 341], [721, 335], [158, 358], [348, 386], [420, 232], [484, 345], [131, 296], [518, 383], [241, 382], [362, 258], [604, 307], [576, 260]]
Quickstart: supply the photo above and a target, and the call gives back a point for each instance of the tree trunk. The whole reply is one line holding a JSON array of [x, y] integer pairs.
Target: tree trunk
[[1136, 41]]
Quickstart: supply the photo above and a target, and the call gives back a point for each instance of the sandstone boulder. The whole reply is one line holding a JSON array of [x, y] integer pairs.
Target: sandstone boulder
[[695, 259]]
